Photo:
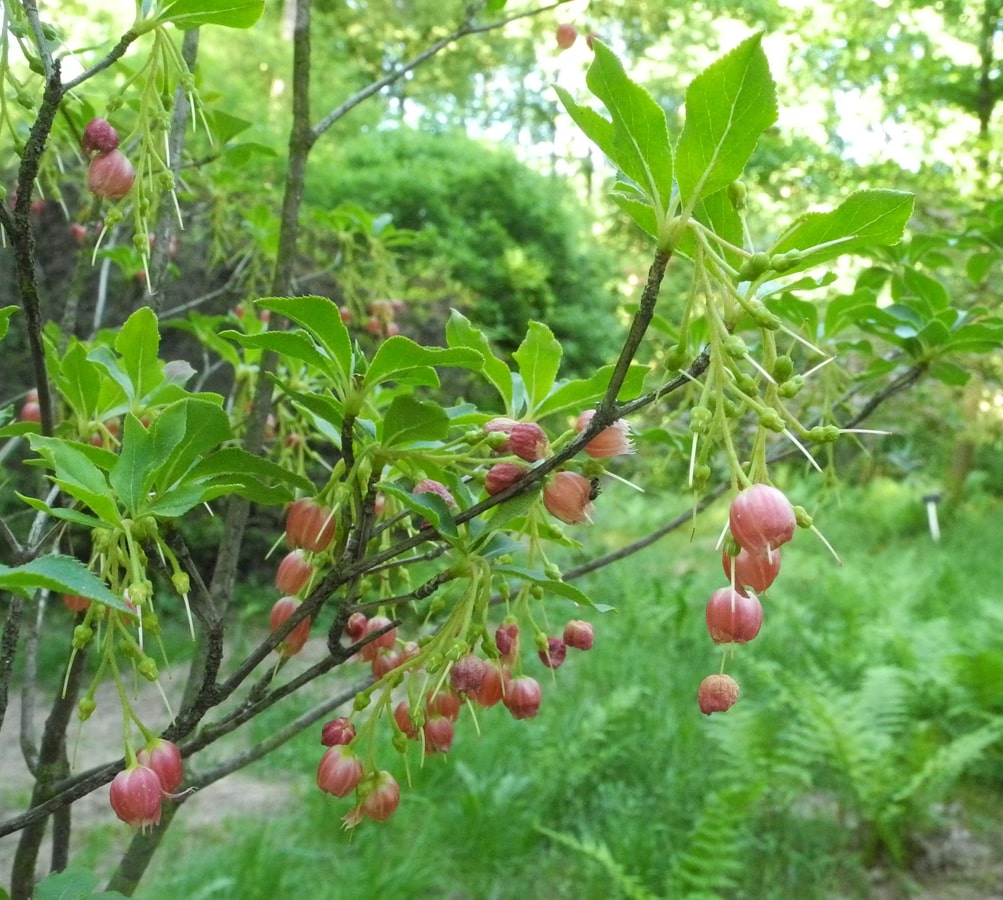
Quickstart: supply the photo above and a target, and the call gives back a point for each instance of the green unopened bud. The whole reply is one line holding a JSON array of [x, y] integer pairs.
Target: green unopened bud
[[783, 368], [552, 571], [822, 434], [738, 195], [802, 518], [791, 387], [783, 262], [25, 99], [756, 265], [399, 741], [747, 384], [701, 475], [82, 636], [361, 701], [181, 581], [735, 347], [676, 358], [771, 420], [148, 668], [85, 707]]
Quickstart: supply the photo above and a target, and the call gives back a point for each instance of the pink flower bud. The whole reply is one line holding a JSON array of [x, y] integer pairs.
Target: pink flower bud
[[439, 732], [522, 697], [503, 475], [579, 634], [110, 176], [385, 641], [761, 518], [164, 758], [444, 703], [428, 486], [294, 641], [136, 796], [612, 441], [755, 571], [568, 497], [507, 641], [293, 573], [309, 525], [382, 800], [528, 441], [339, 771], [491, 690], [467, 674], [99, 137], [402, 716], [337, 731], [553, 657], [733, 617], [717, 693]]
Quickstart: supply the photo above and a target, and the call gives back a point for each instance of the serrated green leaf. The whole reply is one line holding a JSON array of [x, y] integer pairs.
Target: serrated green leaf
[[293, 344], [136, 463], [728, 106], [864, 219], [397, 354], [460, 333], [597, 128], [516, 506], [78, 380], [322, 319], [431, 507], [5, 314], [236, 464], [188, 14], [640, 144], [410, 421], [77, 475], [561, 588], [949, 373], [63, 574], [65, 513], [182, 434], [539, 358], [138, 345]]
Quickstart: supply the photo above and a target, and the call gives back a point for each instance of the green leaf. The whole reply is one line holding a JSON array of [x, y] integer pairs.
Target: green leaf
[[237, 464], [561, 588], [460, 333], [539, 358], [182, 434], [138, 344], [949, 373], [293, 344], [583, 393], [65, 513], [63, 574], [728, 106], [5, 313], [229, 13], [77, 475], [397, 354], [134, 466], [516, 506], [322, 319], [864, 219], [431, 507], [638, 138], [409, 421], [78, 380]]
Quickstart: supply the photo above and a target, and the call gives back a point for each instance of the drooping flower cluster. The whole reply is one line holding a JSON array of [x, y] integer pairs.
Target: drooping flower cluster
[[760, 520]]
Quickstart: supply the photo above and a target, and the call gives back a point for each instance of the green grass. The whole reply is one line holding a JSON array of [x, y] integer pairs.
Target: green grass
[[863, 675]]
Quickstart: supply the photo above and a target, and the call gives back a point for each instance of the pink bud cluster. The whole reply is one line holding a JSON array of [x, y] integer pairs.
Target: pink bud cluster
[[137, 792], [432, 721], [110, 175], [567, 495], [760, 520]]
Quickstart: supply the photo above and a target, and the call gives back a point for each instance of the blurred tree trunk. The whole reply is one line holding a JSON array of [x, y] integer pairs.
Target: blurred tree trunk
[[988, 95]]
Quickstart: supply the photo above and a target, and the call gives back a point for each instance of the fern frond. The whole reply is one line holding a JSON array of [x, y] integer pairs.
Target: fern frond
[[715, 858], [628, 885]]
